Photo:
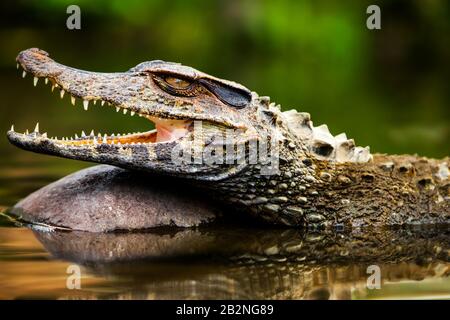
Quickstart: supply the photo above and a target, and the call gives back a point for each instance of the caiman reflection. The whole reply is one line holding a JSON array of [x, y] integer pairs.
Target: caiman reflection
[[253, 264]]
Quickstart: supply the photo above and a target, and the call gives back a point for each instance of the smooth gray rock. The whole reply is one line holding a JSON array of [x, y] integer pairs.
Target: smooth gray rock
[[106, 198]]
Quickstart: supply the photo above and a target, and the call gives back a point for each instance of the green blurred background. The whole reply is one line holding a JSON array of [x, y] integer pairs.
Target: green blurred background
[[385, 88]]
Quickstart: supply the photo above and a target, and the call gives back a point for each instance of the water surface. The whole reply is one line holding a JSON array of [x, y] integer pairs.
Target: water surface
[[216, 262]]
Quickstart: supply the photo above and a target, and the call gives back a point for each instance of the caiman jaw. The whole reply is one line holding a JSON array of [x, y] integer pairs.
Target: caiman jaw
[[166, 130], [172, 96]]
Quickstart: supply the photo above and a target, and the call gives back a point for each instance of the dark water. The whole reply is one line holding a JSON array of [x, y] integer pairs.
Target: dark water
[[218, 262]]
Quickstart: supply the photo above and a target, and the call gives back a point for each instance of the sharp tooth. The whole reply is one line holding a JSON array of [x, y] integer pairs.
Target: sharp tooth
[[12, 127], [76, 136], [104, 139], [117, 109], [92, 133], [132, 113], [17, 65], [72, 100], [83, 134], [35, 81], [36, 129], [99, 135], [86, 104], [26, 132], [61, 93], [125, 111], [44, 135], [46, 80], [53, 86], [102, 103], [24, 73]]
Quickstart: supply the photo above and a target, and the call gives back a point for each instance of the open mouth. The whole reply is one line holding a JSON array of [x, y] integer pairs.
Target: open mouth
[[166, 130]]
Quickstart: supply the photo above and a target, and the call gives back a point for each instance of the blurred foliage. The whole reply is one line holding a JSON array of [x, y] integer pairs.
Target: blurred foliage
[[387, 88]]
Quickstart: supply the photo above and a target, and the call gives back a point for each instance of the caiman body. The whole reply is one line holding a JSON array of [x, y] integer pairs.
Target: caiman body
[[312, 179]]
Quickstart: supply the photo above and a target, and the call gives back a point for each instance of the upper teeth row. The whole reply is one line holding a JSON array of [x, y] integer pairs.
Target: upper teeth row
[[72, 98]]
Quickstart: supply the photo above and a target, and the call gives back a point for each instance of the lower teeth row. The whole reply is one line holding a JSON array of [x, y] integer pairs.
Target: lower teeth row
[[84, 137]]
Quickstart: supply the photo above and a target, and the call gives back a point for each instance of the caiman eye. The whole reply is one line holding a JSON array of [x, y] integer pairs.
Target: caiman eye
[[235, 97], [177, 83], [176, 86]]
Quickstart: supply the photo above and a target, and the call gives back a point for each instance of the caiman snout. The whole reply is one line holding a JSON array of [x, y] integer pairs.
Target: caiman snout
[[37, 62]]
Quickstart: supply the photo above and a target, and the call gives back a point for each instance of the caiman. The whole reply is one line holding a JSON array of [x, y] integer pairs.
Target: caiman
[[308, 177]]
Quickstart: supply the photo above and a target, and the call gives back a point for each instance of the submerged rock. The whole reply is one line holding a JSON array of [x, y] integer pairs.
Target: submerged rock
[[106, 198]]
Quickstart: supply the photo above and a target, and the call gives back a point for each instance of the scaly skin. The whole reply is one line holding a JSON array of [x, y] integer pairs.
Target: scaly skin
[[322, 180]]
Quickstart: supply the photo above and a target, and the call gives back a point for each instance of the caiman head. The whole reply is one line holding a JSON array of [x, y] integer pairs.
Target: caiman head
[[174, 97], [192, 111]]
